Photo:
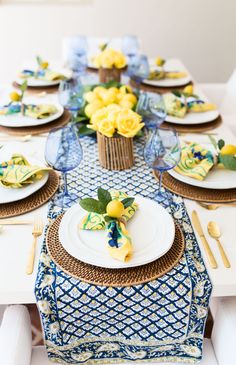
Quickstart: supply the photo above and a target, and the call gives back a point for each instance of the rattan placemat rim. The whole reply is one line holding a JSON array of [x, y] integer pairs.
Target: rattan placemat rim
[[196, 193], [55, 250], [38, 129], [34, 201]]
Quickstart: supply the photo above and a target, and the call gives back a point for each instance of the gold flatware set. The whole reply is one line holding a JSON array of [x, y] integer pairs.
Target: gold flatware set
[[214, 232]]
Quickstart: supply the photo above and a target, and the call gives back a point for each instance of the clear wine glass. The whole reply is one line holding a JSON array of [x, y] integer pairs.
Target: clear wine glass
[[71, 96], [162, 153], [139, 70], [152, 109], [63, 152], [77, 60]]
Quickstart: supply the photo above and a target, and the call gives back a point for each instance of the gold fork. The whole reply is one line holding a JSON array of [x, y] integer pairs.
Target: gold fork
[[37, 231], [215, 206]]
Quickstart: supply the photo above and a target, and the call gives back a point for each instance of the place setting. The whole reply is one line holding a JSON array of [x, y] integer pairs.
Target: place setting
[[24, 115], [25, 184]]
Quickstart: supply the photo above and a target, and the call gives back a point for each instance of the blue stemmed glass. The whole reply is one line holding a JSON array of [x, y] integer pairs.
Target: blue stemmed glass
[[63, 152], [130, 47], [152, 109], [162, 153], [71, 96], [139, 69], [78, 56]]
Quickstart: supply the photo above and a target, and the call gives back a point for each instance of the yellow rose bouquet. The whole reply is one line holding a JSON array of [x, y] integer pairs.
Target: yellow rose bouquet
[[110, 64], [116, 127]]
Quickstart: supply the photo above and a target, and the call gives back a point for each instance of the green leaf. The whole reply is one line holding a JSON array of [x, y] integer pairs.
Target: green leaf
[[23, 86], [213, 141], [104, 196], [109, 219], [229, 161], [127, 202], [177, 93], [221, 143], [92, 205], [39, 60], [81, 118], [85, 131]]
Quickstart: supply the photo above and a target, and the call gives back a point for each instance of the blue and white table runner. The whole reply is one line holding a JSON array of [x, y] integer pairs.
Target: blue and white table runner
[[162, 320]]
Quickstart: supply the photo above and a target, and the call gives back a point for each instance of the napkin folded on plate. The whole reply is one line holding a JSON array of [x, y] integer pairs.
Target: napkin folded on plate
[[47, 75], [39, 111], [161, 74], [196, 161], [179, 106], [119, 242], [17, 172]]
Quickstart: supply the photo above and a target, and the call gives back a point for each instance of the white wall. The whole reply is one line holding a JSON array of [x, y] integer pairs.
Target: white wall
[[200, 32]]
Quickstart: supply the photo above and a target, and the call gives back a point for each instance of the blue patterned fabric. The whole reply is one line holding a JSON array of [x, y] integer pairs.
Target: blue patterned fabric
[[162, 320]]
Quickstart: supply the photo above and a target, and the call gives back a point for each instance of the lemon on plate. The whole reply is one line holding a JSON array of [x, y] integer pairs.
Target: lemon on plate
[[228, 149], [115, 209]]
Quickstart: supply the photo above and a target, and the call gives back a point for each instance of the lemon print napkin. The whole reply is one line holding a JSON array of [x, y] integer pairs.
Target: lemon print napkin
[[196, 161], [47, 75], [39, 111], [119, 244], [161, 75], [17, 172]]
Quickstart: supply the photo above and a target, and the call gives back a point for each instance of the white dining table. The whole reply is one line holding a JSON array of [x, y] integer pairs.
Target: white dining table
[[15, 241]]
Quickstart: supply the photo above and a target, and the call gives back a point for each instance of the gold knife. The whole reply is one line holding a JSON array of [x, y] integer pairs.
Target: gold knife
[[198, 227], [9, 222]]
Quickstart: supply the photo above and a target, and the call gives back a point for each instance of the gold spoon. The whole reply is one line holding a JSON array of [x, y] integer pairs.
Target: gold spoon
[[214, 232], [210, 206]]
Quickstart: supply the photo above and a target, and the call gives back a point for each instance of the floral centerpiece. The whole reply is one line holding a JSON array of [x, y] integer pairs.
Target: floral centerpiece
[[110, 64], [116, 127]]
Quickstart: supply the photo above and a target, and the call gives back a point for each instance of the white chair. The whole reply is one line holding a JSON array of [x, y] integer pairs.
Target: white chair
[[16, 342]]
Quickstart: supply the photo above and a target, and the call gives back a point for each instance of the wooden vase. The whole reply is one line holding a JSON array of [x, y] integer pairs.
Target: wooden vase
[[115, 153], [109, 74]]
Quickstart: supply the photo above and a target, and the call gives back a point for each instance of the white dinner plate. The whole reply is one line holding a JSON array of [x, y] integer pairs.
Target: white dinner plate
[[33, 82], [195, 118], [170, 65], [19, 120], [217, 178], [9, 195], [151, 228]]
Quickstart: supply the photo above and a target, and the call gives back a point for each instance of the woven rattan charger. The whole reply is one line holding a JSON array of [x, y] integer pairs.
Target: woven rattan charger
[[39, 89], [112, 277], [38, 129], [33, 201], [195, 192]]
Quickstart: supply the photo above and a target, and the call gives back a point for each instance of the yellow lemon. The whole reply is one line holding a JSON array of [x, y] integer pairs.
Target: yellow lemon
[[228, 149], [14, 96], [188, 89], [44, 65], [91, 108], [115, 209], [91, 96], [160, 61]]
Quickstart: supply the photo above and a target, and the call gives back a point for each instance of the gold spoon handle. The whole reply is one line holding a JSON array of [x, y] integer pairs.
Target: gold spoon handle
[[223, 254]]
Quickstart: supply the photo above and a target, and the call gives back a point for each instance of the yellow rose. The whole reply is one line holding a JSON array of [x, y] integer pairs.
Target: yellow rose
[[110, 58], [130, 97], [91, 108], [126, 104], [97, 117], [106, 127], [91, 96], [128, 123], [124, 89], [109, 97]]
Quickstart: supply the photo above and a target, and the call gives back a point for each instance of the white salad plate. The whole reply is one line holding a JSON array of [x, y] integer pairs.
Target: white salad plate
[[33, 82], [9, 195], [195, 118], [19, 120], [171, 65], [151, 228], [217, 178]]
